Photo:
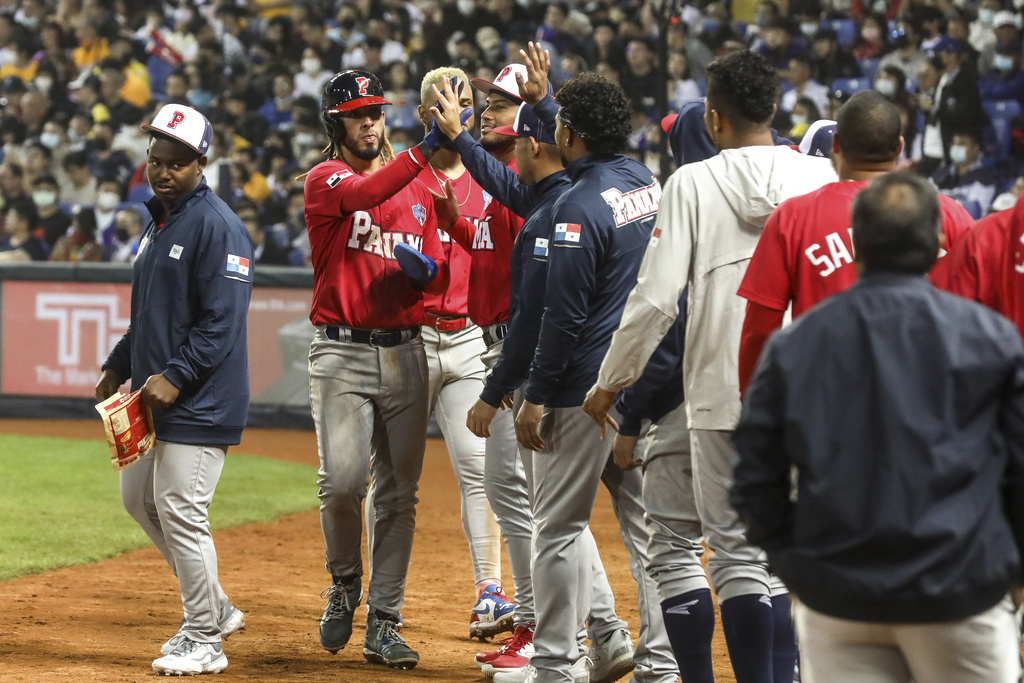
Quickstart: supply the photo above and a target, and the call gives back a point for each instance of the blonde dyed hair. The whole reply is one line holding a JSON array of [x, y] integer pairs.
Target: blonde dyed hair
[[434, 77]]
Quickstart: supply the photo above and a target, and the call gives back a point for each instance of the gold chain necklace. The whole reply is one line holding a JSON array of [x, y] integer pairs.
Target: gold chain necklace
[[441, 184]]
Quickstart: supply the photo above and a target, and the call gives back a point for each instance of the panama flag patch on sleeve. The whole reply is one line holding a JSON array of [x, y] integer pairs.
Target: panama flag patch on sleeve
[[238, 264], [567, 232], [540, 247]]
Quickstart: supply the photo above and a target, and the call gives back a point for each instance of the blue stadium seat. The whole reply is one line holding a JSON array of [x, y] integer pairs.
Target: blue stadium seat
[[158, 70], [972, 207], [1001, 113], [869, 67], [846, 30], [851, 85], [139, 193]]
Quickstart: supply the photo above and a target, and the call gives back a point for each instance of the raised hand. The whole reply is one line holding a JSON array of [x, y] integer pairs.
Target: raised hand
[[538, 64]]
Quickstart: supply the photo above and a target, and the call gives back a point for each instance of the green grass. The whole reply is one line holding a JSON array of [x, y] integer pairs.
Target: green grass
[[60, 505]]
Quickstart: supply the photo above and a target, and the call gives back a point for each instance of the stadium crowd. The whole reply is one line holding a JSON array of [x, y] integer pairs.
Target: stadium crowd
[[77, 77]]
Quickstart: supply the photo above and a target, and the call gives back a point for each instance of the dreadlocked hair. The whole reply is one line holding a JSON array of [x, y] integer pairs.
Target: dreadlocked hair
[[333, 151]]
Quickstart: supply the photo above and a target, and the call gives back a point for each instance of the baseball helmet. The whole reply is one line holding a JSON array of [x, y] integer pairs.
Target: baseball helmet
[[346, 91]]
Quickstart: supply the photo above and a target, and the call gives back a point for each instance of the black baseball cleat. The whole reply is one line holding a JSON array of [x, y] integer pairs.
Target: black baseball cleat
[[383, 645], [336, 623]]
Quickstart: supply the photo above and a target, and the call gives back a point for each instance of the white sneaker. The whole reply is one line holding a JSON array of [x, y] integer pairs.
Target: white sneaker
[[232, 620], [191, 658], [612, 659], [580, 672]]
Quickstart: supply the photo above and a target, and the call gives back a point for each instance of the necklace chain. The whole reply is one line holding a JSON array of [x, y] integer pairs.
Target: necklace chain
[[469, 191]]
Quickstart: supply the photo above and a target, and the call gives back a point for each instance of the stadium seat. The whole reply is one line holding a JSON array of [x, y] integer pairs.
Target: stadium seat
[[851, 85], [846, 30], [158, 70], [972, 207], [1001, 113], [139, 193], [869, 67]]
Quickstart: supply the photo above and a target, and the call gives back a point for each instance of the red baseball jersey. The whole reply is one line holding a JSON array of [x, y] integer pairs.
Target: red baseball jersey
[[489, 240], [354, 222], [454, 301], [805, 253]]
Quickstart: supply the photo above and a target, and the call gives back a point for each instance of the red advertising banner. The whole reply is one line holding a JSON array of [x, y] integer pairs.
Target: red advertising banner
[[56, 335]]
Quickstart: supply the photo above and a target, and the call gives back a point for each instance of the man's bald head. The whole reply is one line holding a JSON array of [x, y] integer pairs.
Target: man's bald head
[[868, 129]]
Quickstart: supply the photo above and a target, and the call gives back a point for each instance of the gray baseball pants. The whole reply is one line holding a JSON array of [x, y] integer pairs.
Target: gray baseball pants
[[506, 488], [370, 410], [168, 492], [672, 520], [565, 484]]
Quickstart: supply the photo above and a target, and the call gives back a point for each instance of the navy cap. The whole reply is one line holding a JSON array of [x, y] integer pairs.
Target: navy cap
[[528, 125], [947, 44], [817, 141]]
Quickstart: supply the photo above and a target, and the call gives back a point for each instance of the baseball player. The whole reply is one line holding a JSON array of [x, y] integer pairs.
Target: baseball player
[[805, 253], [367, 369], [708, 225], [454, 345], [598, 224], [185, 349], [489, 240]]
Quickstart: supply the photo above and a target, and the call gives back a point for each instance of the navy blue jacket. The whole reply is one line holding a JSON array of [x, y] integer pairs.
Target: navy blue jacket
[[602, 225], [191, 285], [902, 409]]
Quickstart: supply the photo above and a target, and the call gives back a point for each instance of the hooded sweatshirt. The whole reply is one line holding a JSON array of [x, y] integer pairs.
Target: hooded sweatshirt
[[709, 222]]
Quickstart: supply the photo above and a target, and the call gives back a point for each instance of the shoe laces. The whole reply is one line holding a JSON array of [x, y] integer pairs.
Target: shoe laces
[[337, 602], [186, 647], [522, 637], [387, 632]]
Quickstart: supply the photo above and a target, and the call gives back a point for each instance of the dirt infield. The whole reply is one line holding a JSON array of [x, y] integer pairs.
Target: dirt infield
[[106, 621]]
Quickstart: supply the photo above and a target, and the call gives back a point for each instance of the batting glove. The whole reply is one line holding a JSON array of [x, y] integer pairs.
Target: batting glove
[[420, 268], [434, 137]]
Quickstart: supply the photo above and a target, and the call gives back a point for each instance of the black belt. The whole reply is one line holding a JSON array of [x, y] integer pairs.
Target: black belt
[[495, 333], [374, 338]]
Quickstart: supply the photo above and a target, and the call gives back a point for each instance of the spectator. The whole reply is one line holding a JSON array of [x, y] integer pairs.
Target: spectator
[[18, 242], [113, 84], [1006, 28], [552, 30], [805, 112], [35, 110], [268, 249], [282, 41], [12, 182], [982, 33], [829, 62], [906, 53], [779, 47], [278, 109], [79, 245], [131, 139], [80, 187], [870, 43], [314, 35], [966, 179], [836, 100], [311, 79], [50, 83], [602, 44], [1005, 81], [891, 83], [92, 47], [804, 86], [108, 198], [54, 50], [933, 26], [128, 227], [176, 87], [53, 222], [38, 160], [404, 100], [681, 87], [241, 120], [135, 90], [956, 104], [23, 65], [642, 78], [105, 160], [90, 101]]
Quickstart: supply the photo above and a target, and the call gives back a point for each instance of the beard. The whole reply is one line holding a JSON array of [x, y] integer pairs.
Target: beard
[[496, 143], [368, 153]]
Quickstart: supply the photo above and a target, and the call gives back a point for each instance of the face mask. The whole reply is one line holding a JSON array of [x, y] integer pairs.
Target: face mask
[[1018, 4], [349, 24], [122, 235], [870, 33], [44, 83], [44, 197], [282, 102], [399, 147], [798, 120], [762, 19], [30, 22], [809, 28], [49, 140], [1003, 62], [101, 143], [311, 66], [958, 154], [73, 137], [107, 201], [465, 7], [886, 88], [304, 139], [986, 16]]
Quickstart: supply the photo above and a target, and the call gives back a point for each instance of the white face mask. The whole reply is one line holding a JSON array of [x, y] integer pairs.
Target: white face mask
[[809, 28], [1002, 62], [465, 7], [311, 66], [958, 154], [885, 88], [107, 201], [798, 120], [304, 139], [49, 140], [986, 15], [44, 197], [44, 83]]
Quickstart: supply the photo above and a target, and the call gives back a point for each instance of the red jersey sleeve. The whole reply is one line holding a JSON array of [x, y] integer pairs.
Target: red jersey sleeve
[[347, 191], [977, 262], [956, 225], [767, 280], [463, 232], [758, 324]]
